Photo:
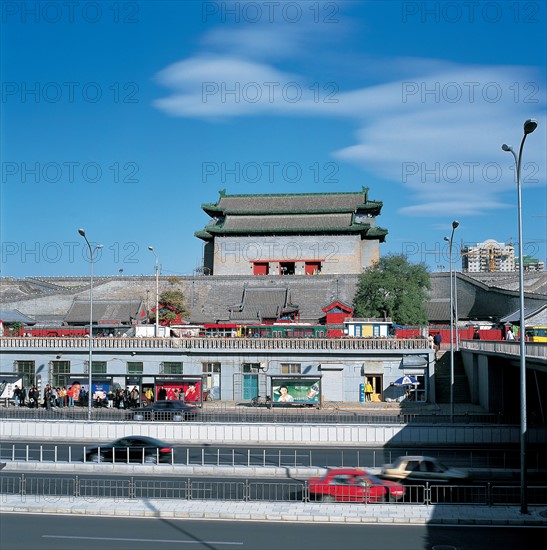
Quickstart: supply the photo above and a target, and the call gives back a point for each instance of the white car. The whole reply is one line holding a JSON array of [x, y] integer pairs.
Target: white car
[[421, 469]]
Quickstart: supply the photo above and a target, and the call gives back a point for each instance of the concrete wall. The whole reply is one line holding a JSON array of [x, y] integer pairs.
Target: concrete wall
[[365, 435], [338, 254]]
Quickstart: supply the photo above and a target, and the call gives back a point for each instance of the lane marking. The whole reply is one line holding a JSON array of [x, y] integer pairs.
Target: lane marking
[[120, 539]]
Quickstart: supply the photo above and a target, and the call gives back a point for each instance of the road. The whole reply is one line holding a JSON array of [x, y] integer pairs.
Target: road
[[44, 532]]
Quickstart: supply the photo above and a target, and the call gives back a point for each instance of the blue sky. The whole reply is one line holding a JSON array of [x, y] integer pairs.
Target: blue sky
[[123, 118]]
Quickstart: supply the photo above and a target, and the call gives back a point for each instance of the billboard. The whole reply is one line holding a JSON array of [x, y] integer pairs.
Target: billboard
[[296, 390], [172, 390]]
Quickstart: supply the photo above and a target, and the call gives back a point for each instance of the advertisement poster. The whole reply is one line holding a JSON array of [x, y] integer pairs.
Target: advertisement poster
[[296, 390], [187, 390], [6, 388], [76, 387]]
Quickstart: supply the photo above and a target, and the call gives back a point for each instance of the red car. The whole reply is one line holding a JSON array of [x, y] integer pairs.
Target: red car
[[353, 485]]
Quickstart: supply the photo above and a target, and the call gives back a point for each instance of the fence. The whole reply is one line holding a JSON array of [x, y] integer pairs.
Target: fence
[[288, 457], [233, 344], [218, 412], [128, 488]]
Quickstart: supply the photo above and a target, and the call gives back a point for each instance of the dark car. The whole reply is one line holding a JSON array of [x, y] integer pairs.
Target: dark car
[[131, 449], [353, 485], [165, 410]]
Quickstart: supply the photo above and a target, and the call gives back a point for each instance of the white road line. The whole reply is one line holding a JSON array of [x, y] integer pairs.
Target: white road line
[[142, 540]]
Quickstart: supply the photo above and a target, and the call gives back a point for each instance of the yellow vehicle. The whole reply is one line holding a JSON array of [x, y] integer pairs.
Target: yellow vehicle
[[536, 334]]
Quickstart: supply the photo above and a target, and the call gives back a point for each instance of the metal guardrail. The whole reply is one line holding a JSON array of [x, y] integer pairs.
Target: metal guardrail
[[226, 456], [502, 347], [127, 488], [217, 412]]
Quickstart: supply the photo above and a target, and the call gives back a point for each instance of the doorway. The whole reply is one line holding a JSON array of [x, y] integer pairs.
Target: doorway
[[376, 381]]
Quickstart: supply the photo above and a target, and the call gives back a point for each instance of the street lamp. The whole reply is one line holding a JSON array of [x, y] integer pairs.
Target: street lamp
[[454, 225], [156, 331], [91, 255], [529, 126]]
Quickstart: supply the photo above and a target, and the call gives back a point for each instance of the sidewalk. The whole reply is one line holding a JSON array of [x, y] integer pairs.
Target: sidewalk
[[278, 511]]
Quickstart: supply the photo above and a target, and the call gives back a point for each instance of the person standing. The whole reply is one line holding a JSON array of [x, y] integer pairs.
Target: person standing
[[17, 395], [509, 335], [437, 341], [369, 390], [149, 396]]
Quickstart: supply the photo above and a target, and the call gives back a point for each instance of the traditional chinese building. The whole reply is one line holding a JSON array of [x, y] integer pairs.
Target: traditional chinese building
[[291, 234]]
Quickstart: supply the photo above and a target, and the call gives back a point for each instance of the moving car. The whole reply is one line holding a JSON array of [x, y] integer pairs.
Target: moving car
[[164, 410], [421, 469], [131, 449], [353, 485]]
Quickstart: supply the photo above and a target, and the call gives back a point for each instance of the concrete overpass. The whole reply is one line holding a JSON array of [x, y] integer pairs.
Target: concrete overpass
[[492, 369]]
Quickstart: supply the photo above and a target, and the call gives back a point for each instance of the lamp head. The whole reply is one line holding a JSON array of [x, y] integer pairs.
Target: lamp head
[[447, 239], [81, 232], [530, 125], [151, 248], [455, 224], [506, 147], [99, 246]]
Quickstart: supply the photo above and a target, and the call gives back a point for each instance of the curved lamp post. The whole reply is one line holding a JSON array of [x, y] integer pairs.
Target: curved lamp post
[[90, 368], [450, 241], [529, 126], [156, 330]]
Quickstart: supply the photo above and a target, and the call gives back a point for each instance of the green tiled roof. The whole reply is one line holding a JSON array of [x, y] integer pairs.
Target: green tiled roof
[[301, 213]]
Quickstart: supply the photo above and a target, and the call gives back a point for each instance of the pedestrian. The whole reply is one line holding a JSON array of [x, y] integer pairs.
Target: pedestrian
[[437, 341], [135, 397], [16, 395], [509, 335], [368, 391]]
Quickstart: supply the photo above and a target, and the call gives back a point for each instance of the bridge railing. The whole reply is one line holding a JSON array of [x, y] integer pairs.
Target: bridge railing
[[224, 344], [533, 349]]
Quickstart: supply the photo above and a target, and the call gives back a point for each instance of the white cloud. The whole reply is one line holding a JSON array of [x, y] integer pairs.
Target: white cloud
[[438, 133]]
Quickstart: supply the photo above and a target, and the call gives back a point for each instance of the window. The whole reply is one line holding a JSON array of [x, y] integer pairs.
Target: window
[[261, 268], [60, 372], [211, 367], [286, 268], [211, 382], [135, 367], [250, 368], [290, 368], [98, 367], [171, 367], [312, 268], [25, 369]]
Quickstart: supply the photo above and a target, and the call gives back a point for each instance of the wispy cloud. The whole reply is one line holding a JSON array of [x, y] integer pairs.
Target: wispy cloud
[[433, 127]]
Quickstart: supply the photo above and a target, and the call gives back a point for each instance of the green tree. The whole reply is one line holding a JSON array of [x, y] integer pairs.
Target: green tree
[[171, 304], [394, 288]]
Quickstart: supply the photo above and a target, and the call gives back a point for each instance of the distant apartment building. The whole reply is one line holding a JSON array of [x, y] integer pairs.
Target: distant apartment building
[[488, 257], [531, 264]]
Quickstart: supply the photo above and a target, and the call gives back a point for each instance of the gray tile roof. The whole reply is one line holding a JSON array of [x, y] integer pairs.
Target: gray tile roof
[[534, 316], [288, 203], [262, 303], [124, 311], [15, 316], [302, 221]]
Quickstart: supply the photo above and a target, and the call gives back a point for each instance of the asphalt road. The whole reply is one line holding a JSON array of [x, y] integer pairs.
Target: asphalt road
[[44, 532]]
